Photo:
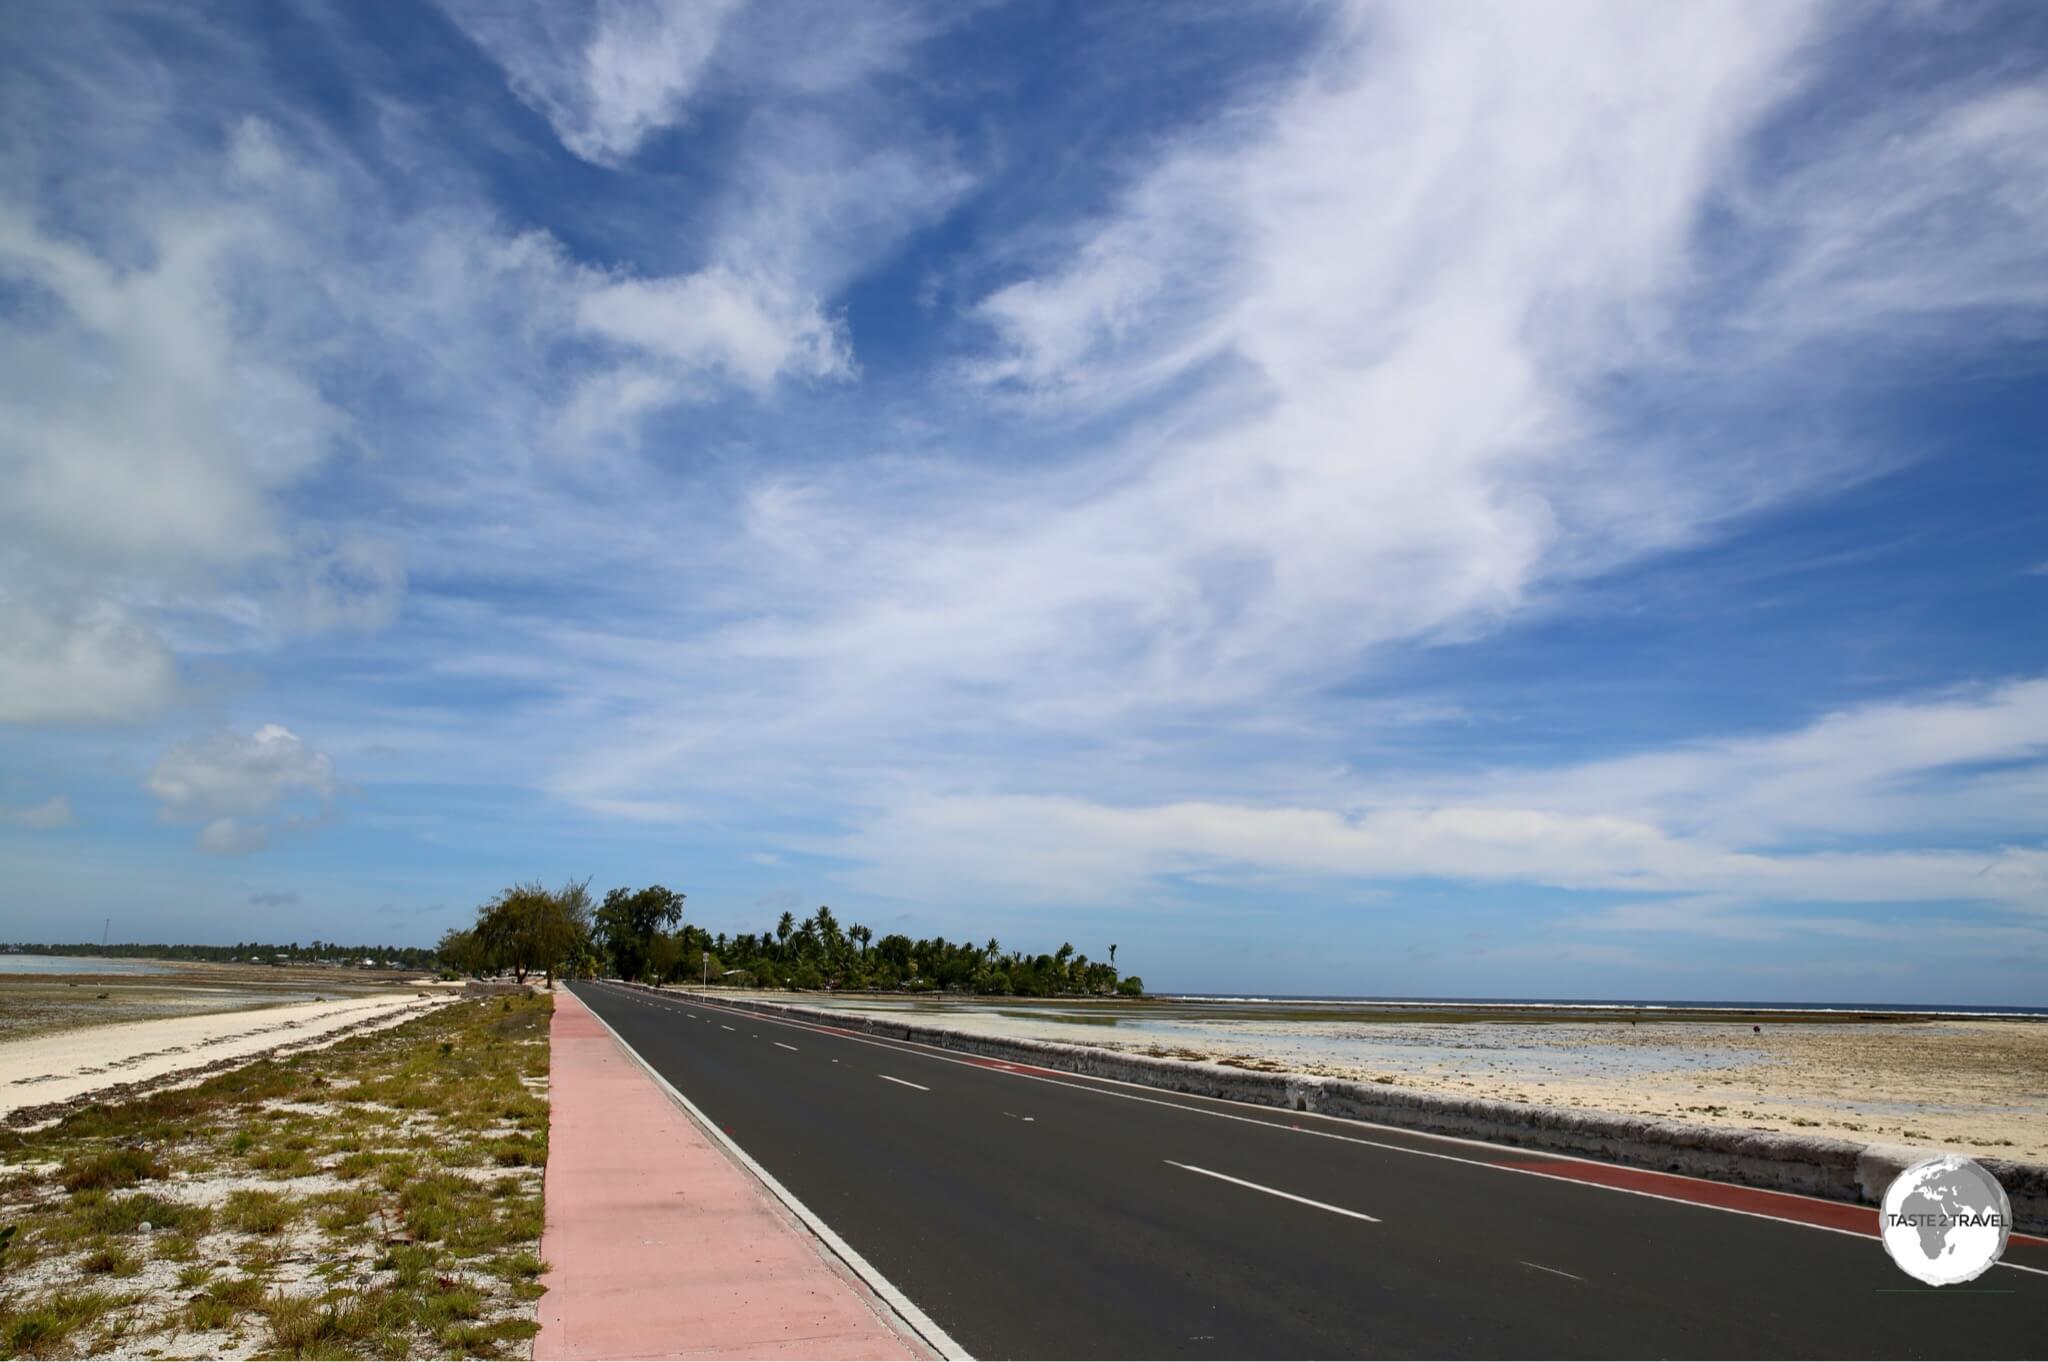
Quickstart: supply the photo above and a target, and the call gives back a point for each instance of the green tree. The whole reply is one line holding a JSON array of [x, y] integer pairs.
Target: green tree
[[628, 920], [461, 951], [529, 928]]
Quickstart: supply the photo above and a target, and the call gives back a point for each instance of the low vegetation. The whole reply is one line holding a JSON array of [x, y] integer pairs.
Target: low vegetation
[[246, 952], [380, 1198], [640, 934]]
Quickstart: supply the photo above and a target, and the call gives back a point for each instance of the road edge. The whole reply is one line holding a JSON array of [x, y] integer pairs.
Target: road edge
[[1840, 1171], [913, 1321]]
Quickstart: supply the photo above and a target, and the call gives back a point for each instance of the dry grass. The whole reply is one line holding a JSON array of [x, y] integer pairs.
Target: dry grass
[[380, 1198]]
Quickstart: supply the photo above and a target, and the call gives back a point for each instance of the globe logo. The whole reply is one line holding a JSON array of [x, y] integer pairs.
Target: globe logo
[[1945, 1220]]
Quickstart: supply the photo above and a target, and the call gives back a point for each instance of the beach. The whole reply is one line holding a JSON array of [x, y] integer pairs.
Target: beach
[[41, 994], [1977, 1085], [67, 1037]]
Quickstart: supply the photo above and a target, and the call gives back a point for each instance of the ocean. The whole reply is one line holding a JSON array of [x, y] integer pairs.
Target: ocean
[[1645, 1004]]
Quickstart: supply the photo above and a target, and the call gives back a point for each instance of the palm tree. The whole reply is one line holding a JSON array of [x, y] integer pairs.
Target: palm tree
[[783, 929], [861, 934], [1112, 955]]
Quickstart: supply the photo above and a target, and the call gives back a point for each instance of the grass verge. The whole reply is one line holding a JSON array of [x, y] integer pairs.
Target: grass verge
[[380, 1198]]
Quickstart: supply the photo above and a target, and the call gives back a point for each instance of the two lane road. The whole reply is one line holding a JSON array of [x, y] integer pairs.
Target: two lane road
[[1040, 1215]]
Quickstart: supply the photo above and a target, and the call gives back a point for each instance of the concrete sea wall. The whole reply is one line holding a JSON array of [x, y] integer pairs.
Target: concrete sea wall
[[1842, 1170]]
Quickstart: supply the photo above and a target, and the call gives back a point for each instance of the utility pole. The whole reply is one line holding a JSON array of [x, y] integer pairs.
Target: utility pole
[[707, 971], [105, 927]]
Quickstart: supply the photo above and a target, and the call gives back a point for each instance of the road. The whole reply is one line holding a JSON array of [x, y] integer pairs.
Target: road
[[1040, 1215]]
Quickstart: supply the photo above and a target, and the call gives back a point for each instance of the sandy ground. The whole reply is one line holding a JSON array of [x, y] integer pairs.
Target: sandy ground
[[41, 1070], [1976, 1086], [32, 1004]]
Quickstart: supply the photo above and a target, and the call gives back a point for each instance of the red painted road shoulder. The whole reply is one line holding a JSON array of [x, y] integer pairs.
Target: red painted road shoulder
[[1790, 1207], [659, 1245]]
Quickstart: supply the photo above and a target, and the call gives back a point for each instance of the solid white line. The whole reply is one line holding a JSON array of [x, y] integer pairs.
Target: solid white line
[[1557, 1270], [1275, 1191], [780, 1045], [921, 1050], [916, 1320], [905, 1082]]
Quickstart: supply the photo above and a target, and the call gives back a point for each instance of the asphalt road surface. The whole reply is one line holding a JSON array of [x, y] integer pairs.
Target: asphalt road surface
[[1033, 1215]]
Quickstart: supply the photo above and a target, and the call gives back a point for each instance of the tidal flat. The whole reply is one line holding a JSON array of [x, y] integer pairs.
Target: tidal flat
[[82, 993], [1974, 1084]]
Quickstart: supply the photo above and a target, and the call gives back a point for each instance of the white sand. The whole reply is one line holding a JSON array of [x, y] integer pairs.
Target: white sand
[[1979, 1087], [38, 1070]]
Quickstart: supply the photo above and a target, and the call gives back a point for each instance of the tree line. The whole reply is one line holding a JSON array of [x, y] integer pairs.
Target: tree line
[[640, 934], [245, 952]]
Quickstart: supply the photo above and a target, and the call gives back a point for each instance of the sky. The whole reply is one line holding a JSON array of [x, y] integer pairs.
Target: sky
[[1434, 499]]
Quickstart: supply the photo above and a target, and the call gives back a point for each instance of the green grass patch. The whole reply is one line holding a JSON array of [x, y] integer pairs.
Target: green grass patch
[[110, 1260], [257, 1212], [128, 1215], [46, 1328], [112, 1168]]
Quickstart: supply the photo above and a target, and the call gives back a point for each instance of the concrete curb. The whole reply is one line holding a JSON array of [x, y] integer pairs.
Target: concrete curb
[[1841, 1170]]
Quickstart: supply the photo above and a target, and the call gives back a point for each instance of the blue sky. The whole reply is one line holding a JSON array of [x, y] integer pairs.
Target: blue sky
[[1419, 499]]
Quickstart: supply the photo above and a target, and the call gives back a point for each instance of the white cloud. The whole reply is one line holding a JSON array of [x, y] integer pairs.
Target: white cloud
[[228, 837], [1974, 761], [750, 329], [1878, 241], [54, 812], [173, 471], [169, 390], [63, 664], [1047, 849], [1363, 310], [237, 785], [1359, 330], [605, 75], [1574, 828], [353, 583]]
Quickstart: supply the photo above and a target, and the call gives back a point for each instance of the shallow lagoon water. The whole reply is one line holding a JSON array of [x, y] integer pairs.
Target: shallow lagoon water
[[1502, 1048], [15, 963]]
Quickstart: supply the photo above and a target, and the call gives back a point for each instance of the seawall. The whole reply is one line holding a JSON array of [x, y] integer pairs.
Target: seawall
[[1842, 1170]]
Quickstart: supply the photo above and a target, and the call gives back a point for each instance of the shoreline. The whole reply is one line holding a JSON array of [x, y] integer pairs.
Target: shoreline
[[1805, 1162], [36, 1004], [1976, 1086], [43, 1077]]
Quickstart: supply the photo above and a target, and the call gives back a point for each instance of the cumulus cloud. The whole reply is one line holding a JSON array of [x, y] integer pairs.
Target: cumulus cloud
[[54, 812], [238, 786]]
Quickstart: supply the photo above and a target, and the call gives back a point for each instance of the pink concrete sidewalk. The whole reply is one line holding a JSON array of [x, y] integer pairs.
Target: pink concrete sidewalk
[[660, 1245]]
